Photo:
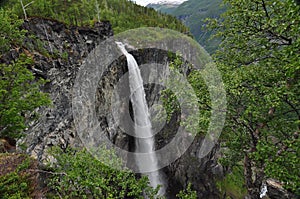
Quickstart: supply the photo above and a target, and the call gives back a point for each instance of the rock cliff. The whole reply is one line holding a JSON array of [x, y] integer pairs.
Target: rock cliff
[[58, 52]]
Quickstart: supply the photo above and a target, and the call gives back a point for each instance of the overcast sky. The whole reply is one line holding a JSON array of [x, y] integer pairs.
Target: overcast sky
[[146, 2]]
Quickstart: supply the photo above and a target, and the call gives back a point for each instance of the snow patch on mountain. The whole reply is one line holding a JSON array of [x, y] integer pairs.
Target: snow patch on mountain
[[160, 2], [170, 2]]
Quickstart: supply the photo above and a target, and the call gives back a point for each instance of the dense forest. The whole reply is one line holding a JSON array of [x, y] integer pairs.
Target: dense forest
[[122, 14], [258, 57]]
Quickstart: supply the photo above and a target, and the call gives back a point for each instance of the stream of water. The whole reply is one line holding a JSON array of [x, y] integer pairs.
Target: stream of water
[[144, 139]]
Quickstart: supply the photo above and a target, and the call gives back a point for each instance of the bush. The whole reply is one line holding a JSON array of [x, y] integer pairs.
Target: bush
[[15, 178], [20, 95], [188, 193], [79, 175]]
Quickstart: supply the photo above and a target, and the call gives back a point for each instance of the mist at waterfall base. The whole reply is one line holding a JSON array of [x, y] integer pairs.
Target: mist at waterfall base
[[144, 139]]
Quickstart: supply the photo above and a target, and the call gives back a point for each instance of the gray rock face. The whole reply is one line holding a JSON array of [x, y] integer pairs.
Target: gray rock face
[[106, 87], [58, 52], [276, 190], [201, 173]]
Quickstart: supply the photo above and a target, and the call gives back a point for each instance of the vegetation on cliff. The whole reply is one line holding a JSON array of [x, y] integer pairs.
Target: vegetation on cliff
[[259, 59], [80, 175], [75, 173], [20, 91], [19, 177]]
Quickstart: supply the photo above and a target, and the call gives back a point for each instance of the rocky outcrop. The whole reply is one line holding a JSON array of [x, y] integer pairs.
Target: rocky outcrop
[[275, 190], [200, 172], [58, 52], [7, 145]]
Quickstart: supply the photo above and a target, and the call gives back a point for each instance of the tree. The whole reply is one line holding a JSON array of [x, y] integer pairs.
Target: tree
[[85, 12], [260, 61], [20, 92], [10, 34], [20, 95]]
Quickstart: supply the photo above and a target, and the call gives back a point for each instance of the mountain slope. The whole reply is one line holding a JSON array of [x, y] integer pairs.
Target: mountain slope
[[163, 8], [166, 6], [122, 14], [193, 12]]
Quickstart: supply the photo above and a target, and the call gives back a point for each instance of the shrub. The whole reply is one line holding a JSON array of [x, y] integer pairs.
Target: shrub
[[79, 175]]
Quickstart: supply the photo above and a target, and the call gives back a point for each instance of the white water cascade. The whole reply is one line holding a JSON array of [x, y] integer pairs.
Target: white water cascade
[[144, 141]]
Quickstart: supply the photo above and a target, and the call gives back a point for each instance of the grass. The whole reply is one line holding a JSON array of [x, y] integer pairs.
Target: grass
[[233, 185]]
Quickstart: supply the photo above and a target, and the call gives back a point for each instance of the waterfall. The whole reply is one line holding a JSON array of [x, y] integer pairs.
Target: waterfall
[[144, 141]]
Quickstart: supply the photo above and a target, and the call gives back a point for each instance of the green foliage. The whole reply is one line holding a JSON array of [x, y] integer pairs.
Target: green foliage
[[122, 14], [163, 8], [233, 185], [170, 101], [197, 94], [10, 34], [188, 193], [81, 175], [285, 166], [16, 184], [259, 58], [20, 92], [20, 95]]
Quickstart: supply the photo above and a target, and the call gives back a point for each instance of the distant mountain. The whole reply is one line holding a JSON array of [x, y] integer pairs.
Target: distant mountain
[[192, 13], [167, 7], [178, 2]]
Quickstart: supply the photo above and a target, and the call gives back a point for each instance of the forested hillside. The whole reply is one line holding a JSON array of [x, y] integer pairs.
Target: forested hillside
[[122, 14], [193, 14], [163, 8]]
